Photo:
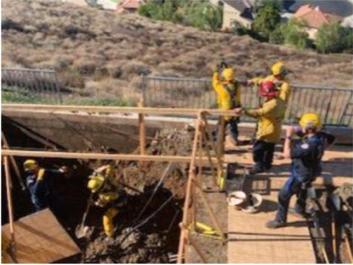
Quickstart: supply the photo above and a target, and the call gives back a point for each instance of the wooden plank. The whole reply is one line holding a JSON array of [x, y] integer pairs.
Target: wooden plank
[[9, 199], [104, 109], [40, 239], [127, 157], [192, 175], [14, 164]]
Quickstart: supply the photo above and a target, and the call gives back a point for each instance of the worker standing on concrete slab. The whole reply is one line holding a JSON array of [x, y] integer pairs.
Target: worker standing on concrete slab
[[278, 77], [228, 95], [306, 155], [270, 116], [39, 182], [107, 194]]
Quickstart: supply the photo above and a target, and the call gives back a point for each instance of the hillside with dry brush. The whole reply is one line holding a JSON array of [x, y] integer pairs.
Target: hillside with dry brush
[[101, 50]]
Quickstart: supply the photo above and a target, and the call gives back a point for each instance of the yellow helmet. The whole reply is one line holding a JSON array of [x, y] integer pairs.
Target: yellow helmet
[[310, 121], [278, 68], [228, 74], [95, 183], [30, 165]]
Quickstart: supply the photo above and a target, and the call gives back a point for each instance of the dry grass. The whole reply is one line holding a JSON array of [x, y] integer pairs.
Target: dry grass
[[93, 47]]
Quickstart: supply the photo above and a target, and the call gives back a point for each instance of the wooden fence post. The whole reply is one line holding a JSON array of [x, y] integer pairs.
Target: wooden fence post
[[13, 162], [9, 199]]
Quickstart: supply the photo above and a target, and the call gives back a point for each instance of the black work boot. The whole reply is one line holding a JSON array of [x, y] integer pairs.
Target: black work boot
[[257, 168], [295, 212], [275, 224]]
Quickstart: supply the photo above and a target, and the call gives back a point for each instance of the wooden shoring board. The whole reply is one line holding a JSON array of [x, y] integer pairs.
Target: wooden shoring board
[[105, 109], [250, 241], [39, 239], [92, 155]]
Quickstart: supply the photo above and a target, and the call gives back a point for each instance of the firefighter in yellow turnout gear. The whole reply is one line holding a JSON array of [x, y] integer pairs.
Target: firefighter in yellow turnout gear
[[279, 79], [270, 116], [228, 95], [107, 194]]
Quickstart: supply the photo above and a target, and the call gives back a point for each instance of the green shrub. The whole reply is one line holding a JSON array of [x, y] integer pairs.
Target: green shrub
[[333, 38], [203, 15], [294, 34], [277, 36], [200, 14], [267, 18]]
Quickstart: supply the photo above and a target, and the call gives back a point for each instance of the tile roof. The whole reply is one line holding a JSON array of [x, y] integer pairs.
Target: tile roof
[[314, 17]]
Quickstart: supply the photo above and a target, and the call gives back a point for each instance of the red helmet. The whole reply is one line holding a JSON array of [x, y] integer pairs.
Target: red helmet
[[268, 89]]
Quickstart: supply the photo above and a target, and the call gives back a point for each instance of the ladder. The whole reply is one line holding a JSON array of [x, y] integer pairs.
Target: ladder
[[347, 114]]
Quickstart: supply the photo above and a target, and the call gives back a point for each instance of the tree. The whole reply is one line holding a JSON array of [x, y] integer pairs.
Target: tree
[[333, 38], [277, 36], [203, 15], [294, 34], [347, 39], [267, 18], [200, 14]]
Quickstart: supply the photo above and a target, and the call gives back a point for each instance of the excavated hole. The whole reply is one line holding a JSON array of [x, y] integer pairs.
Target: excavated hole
[[152, 242]]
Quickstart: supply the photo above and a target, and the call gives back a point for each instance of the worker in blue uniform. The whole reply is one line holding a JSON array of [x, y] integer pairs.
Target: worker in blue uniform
[[39, 182], [306, 155]]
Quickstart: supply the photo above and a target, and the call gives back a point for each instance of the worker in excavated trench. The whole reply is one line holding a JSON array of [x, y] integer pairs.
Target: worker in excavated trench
[[106, 193], [40, 183], [306, 155]]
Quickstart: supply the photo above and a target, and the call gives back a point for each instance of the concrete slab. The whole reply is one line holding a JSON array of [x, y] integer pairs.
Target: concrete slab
[[249, 239]]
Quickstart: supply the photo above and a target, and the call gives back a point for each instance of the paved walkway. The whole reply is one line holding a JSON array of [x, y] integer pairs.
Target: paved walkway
[[250, 241]]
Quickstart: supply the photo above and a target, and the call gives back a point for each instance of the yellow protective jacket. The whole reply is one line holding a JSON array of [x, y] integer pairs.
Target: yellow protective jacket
[[283, 86], [270, 117], [228, 94]]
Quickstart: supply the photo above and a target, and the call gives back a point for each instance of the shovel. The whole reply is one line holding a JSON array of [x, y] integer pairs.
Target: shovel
[[82, 230]]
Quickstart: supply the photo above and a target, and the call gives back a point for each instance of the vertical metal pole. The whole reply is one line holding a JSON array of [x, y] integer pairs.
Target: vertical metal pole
[[143, 88], [328, 108], [58, 88]]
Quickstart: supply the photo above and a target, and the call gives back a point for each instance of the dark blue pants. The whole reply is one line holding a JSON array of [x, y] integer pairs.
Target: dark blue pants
[[233, 128], [291, 187], [39, 194], [263, 154]]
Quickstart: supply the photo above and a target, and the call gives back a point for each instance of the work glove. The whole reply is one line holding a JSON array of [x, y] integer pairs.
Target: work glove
[[223, 65]]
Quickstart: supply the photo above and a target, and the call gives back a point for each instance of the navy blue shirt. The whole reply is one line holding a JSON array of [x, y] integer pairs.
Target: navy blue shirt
[[306, 156]]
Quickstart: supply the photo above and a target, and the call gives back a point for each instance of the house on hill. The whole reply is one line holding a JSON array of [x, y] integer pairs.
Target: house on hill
[[236, 11], [129, 6], [314, 18], [314, 13]]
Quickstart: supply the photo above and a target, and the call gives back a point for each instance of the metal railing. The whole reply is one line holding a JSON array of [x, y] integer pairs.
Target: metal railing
[[330, 103], [30, 85], [42, 86]]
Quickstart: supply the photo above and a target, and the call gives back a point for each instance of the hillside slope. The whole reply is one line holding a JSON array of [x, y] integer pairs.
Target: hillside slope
[[99, 49]]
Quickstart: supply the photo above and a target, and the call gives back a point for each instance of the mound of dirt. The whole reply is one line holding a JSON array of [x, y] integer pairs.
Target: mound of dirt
[[147, 227], [129, 247], [104, 51]]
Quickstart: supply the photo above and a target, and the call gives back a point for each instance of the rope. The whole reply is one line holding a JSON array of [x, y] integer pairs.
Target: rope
[[165, 173], [148, 218], [173, 220], [154, 213]]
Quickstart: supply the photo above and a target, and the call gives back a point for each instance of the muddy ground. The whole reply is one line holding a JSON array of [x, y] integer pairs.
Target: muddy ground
[[135, 240]]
